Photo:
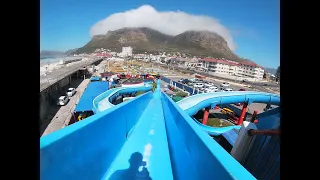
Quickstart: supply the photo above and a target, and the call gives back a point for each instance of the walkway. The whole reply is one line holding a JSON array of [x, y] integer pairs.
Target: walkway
[[62, 117]]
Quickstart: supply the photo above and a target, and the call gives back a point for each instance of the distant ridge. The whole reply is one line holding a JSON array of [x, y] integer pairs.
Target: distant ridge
[[199, 43]]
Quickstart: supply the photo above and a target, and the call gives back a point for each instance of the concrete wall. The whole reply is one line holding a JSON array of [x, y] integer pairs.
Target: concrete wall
[[50, 95], [94, 142]]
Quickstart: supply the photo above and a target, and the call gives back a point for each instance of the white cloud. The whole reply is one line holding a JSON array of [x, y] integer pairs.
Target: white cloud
[[168, 22]]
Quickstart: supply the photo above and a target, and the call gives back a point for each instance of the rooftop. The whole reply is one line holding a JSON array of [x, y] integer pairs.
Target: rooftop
[[92, 91], [133, 81], [248, 63], [94, 78], [219, 61]]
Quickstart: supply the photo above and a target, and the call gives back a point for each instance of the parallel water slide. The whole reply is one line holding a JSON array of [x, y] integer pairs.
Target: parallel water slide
[[147, 137], [103, 101], [192, 104]]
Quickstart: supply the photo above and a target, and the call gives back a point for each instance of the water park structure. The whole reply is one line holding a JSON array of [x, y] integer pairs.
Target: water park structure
[[152, 137]]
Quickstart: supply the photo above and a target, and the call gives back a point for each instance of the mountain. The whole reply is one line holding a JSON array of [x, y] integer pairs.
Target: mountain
[[54, 54], [199, 43], [270, 70], [71, 51], [50, 54]]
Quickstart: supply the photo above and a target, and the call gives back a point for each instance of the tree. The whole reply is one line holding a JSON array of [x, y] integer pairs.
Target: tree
[[264, 75], [278, 74]]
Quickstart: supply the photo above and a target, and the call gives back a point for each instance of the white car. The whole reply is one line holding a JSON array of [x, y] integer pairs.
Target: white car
[[228, 89], [210, 84], [63, 100], [225, 84], [212, 89], [198, 85], [190, 84], [71, 92]]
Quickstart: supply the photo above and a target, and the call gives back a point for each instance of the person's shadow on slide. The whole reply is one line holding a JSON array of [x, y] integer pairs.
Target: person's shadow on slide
[[133, 173]]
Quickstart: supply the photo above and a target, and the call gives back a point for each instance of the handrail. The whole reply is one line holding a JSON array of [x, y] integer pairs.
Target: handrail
[[270, 132]]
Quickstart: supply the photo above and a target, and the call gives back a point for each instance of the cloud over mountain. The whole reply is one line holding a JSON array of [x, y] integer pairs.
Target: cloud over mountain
[[167, 22]]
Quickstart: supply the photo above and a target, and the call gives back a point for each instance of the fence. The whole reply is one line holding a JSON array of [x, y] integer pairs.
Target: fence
[[181, 86], [68, 70], [263, 159]]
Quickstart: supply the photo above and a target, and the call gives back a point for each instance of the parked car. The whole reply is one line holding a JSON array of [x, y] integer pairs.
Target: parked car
[[212, 89], [226, 111], [71, 92], [198, 85], [209, 84], [181, 80], [242, 89], [185, 81], [201, 90], [228, 89], [63, 100], [225, 84]]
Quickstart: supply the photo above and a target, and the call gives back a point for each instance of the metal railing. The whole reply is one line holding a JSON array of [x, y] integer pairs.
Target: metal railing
[[263, 158], [68, 70]]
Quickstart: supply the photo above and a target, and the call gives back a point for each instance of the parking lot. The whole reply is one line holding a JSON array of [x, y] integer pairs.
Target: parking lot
[[175, 74], [217, 83]]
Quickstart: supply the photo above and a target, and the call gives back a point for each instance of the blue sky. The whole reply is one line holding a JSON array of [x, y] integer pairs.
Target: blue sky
[[254, 24]]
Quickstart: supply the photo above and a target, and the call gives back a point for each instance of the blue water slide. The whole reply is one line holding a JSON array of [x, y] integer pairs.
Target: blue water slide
[[103, 101], [192, 104], [148, 137]]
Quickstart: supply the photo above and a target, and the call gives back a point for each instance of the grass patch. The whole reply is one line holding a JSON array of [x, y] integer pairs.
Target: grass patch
[[182, 94], [154, 86], [212, 120], [139, 92]]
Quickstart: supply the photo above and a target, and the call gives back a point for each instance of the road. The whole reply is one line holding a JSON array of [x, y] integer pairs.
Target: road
[[56, 75], [64, 114]]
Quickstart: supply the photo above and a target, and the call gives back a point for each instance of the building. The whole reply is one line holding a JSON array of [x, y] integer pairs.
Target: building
[[103, 55], [218, 66], [250, 69], [244, 69], [126, 51]]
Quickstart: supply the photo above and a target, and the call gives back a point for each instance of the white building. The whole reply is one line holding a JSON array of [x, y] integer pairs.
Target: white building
[[244, 69], [249, 69], [126, 51]]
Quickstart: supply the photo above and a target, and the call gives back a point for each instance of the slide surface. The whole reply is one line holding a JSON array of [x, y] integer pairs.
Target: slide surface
[[192, 104], [164, 143]]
